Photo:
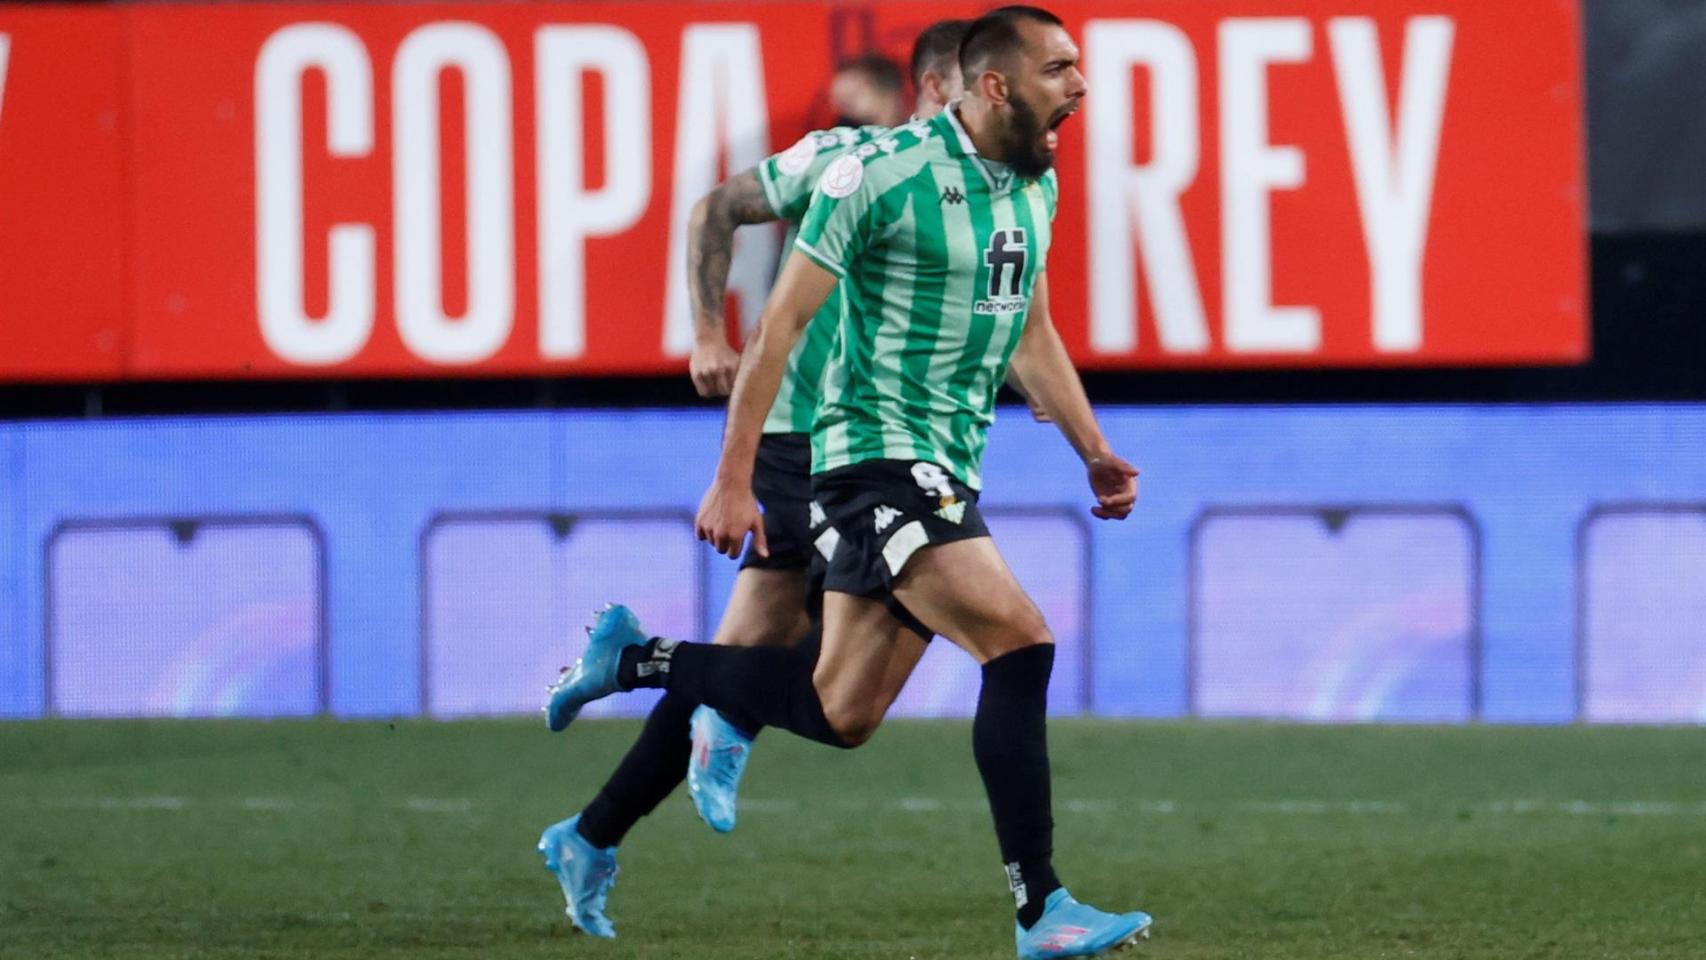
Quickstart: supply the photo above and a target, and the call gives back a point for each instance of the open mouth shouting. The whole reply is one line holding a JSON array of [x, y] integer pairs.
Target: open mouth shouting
[[1052, 136]]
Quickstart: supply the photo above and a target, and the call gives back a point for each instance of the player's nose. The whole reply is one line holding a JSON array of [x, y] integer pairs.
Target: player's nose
[[1077, 86]]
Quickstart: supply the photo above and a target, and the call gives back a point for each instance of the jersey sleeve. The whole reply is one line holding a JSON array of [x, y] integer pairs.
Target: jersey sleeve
[[839, 224], [788, 177]]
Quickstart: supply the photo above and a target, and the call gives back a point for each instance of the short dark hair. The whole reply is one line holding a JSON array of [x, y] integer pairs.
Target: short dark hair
[[878, 69], [939, 43], [996, 34]]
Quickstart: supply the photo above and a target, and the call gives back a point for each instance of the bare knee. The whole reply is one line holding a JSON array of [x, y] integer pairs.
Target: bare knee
[[1027, 629], [854, 722]]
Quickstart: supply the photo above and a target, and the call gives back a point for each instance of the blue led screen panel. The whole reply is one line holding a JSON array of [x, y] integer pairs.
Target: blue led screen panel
[[508, 598], [1335, 615], [185, 619], [1643, 596]]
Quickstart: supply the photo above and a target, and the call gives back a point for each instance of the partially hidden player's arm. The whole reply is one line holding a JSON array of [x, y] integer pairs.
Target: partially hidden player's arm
[[1041, 363], [729, 512], [711, 227]]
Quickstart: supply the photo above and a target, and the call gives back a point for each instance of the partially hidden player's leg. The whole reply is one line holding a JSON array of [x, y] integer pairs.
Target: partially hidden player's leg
[[966, 591], [767, 608]]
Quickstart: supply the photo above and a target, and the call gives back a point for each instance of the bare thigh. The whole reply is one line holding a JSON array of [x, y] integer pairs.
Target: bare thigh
[[867, 656], [965, 590], [767, 608]]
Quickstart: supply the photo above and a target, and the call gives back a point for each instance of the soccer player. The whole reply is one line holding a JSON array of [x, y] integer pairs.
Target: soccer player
[[769, 603], [868, 91], [940, 232]]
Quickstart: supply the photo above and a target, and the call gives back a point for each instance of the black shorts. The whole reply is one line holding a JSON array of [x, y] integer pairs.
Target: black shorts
[[781, 480], [880, 512]]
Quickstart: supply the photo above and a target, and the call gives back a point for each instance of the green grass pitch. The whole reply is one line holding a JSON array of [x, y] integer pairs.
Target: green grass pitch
[[145, 840]]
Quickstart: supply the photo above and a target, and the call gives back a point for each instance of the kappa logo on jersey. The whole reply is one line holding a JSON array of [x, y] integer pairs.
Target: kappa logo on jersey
[[885, 516], [843, 177], [1005, 257], [953, 195]]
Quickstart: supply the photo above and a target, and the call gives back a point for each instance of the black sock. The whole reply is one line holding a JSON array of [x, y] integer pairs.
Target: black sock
[[645, 665], [766, 686], [748, 727], [1009, 737], [649, 772], [748, 724]]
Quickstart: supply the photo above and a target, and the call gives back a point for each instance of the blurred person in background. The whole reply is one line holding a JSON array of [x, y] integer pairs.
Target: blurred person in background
[[773, 601], [869, 91]]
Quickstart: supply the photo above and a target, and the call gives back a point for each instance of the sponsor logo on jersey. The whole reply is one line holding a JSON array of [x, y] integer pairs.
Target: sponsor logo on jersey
[[998, 305], [1005, 257]]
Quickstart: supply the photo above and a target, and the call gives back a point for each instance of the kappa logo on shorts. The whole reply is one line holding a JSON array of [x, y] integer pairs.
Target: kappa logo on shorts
[[885, 516]]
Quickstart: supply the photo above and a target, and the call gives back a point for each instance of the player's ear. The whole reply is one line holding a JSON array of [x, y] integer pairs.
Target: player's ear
[[929, 87], [993, 86]]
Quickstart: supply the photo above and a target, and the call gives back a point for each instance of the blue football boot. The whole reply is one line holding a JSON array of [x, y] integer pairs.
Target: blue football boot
[[593, 676], [1068, 928], [585, 872], [714, 770]]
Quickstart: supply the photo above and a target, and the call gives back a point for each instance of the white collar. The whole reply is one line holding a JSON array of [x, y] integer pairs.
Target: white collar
[[959, 131], [997, 176]]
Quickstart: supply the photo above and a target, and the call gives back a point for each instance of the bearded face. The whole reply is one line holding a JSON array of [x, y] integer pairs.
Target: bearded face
[[1044, 87], [1030, 142]]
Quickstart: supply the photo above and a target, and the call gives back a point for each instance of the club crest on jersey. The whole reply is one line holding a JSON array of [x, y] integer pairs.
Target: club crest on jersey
[[1005, 257], [797, 158], [843, 177]]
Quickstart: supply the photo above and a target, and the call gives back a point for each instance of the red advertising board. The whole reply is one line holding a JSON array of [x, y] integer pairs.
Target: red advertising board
[[62, 309], [502, 189]]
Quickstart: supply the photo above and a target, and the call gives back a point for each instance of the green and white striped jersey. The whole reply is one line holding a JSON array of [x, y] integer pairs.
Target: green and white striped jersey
[[788, 178], [937, 250]]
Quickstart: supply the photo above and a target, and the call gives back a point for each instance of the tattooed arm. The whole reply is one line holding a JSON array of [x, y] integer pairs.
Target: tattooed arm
[[710, 242]]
